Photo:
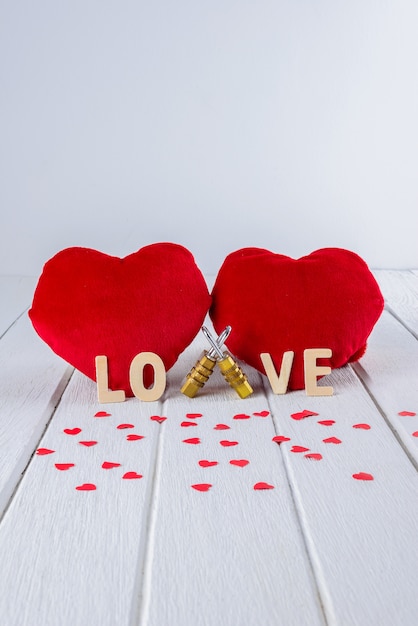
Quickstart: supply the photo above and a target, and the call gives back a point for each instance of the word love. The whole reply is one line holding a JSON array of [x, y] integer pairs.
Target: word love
[[279, 382]]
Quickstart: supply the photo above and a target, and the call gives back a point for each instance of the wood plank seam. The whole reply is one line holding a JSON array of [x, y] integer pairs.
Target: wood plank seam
[[141, 588], [318, 578], [59, 393], [15, 321], [362, 377], [399, 319]]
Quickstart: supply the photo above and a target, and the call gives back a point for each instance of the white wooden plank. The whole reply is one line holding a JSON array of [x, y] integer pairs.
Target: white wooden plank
[[15, 296], [400, 290], [74, 557], [32, 379], [389, 371], [361, 534], [231, 555]]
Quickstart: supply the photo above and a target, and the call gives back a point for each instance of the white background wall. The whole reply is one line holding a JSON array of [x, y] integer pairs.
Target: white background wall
[[285, 124]]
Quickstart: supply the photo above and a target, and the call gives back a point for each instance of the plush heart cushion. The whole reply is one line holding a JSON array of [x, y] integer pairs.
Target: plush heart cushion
[[328, 299], [87, 303]]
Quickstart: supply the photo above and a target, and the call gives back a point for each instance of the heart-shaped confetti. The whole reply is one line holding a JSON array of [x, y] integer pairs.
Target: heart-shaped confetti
[[332, 440], [88, 444], [363, 476], [263, 485], [302, 414], [280, 439], [313, 455], [133, 437], [123, 426], [298, 449], [221, 427], [64, 466], [187, 424], [262, 413], [193, 416], [415, 434], [43, 451], [407, 413], [226, 443], [86, 487], [241, 416], [192, 440], [202, 486], [239, 462], [205, 463], [326, 422], [72, 431], [109, 465], [131, 475], [362, 426], [102, 414], [158, 418]]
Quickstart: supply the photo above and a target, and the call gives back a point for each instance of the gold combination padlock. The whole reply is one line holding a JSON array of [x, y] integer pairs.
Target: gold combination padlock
[[230, 370]]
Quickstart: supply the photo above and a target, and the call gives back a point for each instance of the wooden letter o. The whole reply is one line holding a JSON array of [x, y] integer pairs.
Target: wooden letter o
[[136, 376]]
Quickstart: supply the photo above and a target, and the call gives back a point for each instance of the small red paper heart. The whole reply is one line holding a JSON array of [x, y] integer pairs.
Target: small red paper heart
[[158, 418], [109, 465], [262, 413], [407, 413], [131, 475], [227, 443], [192, 440], [241, 416], [327, 299], [72, 431], [88, 303], [194, 416], [415, 434], [187, 424], [134, 437], [64, 466], [202, 486], [280, 439], [221, 427], [262, 485], [239, 462], [123, 426], [43, 451], [362, 426], [363, 476], [303, 414], [298, 449], [332, 440], [204, 463], [88, 444], [326, 422], [86, 487], [313, 455], [102, 414]]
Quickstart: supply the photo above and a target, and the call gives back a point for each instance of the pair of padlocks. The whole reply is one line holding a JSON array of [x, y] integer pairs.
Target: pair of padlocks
[[230, 370]]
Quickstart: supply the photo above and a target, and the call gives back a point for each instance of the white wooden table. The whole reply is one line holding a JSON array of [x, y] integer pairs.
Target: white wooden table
[[319, 548]]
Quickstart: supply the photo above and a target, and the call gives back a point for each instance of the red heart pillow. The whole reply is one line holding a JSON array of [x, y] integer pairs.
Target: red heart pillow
[[87, 303], [328, 299]]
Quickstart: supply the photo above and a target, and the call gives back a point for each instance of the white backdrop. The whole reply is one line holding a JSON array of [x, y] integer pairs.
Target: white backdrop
[[285, 124]]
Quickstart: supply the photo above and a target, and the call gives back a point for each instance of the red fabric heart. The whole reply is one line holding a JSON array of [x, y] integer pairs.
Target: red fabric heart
[[328, 299], [88, 303]]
